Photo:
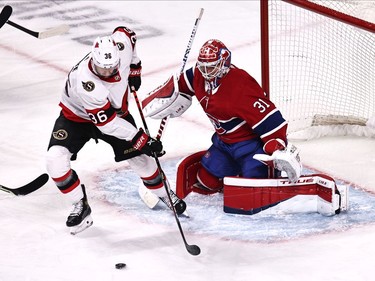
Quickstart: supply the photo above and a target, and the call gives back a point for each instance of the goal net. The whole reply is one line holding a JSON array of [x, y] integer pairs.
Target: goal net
[[318, 63]]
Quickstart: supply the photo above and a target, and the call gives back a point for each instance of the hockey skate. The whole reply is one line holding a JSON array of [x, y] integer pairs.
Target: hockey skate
[[178, 204], [80, 218]]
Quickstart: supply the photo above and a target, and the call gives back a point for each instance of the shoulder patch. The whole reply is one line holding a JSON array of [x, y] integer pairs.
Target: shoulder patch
[[89, 86], [120, 46]]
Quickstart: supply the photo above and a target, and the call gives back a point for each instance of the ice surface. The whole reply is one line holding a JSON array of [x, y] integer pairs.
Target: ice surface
[[288, 242]]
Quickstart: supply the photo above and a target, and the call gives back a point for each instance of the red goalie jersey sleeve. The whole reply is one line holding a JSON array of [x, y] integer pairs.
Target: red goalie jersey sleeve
[[238, 107]]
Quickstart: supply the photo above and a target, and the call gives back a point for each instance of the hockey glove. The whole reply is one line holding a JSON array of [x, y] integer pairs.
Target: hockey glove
[[134, 79], [147, 145], [286, 160]]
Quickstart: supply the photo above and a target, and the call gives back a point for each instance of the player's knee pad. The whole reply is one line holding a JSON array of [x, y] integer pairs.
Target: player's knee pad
[[58, 161], [143, 165], [208, 180]]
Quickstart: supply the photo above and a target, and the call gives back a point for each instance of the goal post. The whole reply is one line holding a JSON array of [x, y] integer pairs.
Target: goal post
[[318, 61]]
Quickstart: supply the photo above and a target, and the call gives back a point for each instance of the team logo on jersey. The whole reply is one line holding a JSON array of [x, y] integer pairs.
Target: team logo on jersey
[[60, 134], [217, 124], [89, 86], [120, 46]]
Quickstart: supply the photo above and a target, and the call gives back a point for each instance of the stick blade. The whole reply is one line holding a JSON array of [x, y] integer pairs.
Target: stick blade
[[58, 30], [5, 15], [27, 188], [193, 250], [33, 186]]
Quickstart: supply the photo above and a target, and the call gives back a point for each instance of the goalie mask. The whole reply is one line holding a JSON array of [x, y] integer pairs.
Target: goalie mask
[[105, 57], [213, 60]]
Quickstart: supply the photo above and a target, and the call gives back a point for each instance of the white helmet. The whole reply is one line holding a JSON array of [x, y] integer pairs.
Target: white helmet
[[105, 53]]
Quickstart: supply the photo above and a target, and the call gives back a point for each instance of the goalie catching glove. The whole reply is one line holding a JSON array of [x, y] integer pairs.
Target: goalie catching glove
[[281, 158], [166, 100], [147, 145]]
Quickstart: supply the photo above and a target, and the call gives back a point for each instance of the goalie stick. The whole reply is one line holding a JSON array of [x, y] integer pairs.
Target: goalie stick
[[192, 249], [164, 121], [58, 30], [27, 188]]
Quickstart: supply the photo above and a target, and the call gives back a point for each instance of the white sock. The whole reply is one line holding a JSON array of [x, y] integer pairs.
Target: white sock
[[160, 192], [75, 195]]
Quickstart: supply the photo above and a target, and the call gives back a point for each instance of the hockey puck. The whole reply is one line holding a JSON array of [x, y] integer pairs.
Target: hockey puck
[[120, 265]]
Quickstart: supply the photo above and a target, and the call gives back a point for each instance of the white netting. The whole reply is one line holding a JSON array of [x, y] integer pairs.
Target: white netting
[[322, 71]]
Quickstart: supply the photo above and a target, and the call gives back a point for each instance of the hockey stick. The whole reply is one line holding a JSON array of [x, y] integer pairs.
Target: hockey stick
[[5, 14], [58, 30], [4, 18], [27, 188], [164, 121], [163, 124], [192, 249]]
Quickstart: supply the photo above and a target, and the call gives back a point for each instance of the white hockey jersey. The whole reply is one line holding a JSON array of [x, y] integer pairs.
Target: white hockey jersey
[[89, 98]]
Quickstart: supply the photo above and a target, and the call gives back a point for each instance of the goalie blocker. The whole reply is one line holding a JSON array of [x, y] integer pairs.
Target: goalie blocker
[[166, 100], [250, 196]]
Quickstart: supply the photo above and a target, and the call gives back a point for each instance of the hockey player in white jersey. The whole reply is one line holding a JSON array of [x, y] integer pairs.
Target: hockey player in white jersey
[[94, 105]]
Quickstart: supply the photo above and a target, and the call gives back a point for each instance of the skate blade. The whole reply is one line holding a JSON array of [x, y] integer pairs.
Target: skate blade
[[86, 223], [184, 215]]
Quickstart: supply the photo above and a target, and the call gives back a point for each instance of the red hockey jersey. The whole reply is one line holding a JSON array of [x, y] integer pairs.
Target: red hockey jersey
[[238, 107]]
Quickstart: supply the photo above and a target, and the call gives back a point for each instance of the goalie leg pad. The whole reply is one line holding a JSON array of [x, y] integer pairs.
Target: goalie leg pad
[[344, 197], [187, 170], [250, 196], [336, 201]]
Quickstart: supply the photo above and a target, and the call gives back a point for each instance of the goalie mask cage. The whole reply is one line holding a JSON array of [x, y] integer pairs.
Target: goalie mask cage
[[318, 60]]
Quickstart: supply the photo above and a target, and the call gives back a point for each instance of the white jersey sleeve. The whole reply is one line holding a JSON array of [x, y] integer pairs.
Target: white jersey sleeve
[[119, 128], [126, 36]]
